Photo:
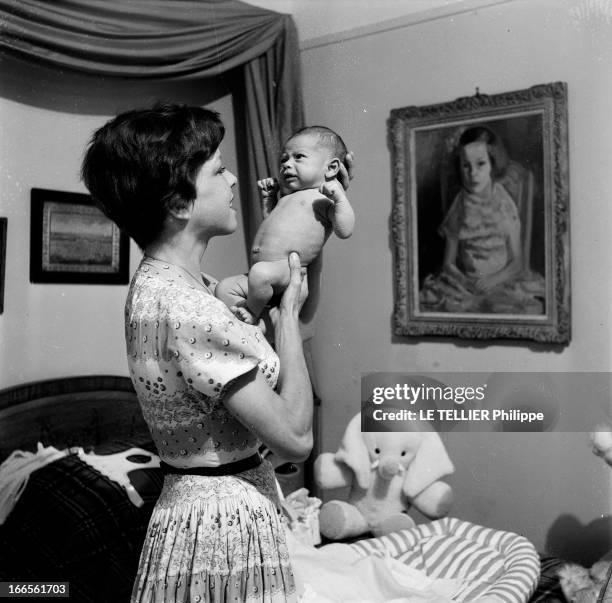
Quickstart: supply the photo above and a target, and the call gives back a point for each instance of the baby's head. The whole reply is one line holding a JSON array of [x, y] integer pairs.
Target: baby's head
[[480, 158], [310, 156]]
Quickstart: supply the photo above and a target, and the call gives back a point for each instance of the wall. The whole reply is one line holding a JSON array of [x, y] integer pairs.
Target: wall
[[543, 485], [343, 15], [47, 118]]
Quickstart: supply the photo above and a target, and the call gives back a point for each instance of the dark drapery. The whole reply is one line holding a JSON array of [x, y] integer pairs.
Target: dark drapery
[[174, 39]]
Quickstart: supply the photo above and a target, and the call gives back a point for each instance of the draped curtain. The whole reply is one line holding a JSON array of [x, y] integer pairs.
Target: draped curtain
[[175, 39]]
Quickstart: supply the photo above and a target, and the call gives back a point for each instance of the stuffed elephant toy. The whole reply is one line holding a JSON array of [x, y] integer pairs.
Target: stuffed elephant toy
[[388, 472]]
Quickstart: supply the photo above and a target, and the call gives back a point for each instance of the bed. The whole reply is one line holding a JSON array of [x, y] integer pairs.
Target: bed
[[73, 524]]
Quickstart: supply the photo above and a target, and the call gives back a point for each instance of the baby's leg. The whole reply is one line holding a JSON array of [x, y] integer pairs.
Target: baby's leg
[[266, 278], [232, 291]]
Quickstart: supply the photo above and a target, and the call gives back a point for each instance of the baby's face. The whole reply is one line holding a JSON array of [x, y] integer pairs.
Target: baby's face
[[475, 167], [303, 163]]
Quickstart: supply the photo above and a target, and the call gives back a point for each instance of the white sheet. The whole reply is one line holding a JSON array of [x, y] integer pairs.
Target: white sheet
[[336, 573]]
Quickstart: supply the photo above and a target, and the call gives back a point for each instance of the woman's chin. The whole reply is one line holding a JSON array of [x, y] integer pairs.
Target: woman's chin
[[230, 227]]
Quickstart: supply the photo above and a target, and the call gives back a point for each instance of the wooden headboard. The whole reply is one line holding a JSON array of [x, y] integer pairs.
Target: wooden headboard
[[82, 411]]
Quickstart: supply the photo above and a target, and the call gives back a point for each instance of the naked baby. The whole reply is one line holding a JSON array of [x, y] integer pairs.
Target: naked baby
[[312, 204]]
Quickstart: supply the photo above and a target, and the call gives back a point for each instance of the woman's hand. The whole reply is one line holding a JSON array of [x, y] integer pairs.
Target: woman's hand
[[346, 172], [295, 294]]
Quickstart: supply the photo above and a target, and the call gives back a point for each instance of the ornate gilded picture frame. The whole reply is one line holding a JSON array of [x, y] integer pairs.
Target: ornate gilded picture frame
[[480, 217]]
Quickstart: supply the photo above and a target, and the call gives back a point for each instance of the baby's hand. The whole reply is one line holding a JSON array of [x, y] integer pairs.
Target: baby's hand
[[242, 313], [333, 190], [268, 187]]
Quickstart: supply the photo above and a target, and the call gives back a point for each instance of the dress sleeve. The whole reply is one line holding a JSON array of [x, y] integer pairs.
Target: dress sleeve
[[211, 347], [509, 212]]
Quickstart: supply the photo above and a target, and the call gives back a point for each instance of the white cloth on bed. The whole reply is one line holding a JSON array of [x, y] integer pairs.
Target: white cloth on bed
[[117, 466], [338, 573], [16, 470]]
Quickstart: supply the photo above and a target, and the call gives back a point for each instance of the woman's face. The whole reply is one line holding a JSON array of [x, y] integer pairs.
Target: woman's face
[[475, 167], [212, 212]]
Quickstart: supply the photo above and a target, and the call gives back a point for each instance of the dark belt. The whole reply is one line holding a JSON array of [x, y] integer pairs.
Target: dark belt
[[250, 462]]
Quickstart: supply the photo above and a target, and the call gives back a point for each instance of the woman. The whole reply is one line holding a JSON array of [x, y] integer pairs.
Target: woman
[[205, 380]]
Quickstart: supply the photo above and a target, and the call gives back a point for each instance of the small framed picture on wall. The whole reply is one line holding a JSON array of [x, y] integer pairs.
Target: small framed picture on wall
[[72, 241]]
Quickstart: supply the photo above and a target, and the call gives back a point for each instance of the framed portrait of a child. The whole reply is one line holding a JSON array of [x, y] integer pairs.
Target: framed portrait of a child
[[481, 217]]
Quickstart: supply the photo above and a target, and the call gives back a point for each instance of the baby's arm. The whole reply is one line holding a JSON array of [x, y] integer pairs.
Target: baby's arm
[[341, 213], [268, 189]]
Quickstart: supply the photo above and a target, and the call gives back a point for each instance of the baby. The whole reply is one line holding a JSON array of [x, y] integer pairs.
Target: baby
[[312, 204]]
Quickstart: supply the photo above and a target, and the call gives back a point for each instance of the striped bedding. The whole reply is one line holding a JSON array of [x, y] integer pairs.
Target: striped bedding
[[497, 563]]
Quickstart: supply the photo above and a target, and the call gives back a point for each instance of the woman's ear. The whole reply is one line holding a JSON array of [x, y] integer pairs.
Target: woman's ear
[[333, 166], [183, 213]]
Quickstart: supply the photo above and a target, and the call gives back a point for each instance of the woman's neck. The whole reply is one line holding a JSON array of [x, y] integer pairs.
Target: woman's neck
[[188, 257]]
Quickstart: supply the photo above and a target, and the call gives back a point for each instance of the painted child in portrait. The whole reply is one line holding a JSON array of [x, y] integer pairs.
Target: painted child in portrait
[[483, 268]]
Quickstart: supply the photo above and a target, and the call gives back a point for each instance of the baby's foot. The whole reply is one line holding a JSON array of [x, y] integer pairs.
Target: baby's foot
[[244, 314]]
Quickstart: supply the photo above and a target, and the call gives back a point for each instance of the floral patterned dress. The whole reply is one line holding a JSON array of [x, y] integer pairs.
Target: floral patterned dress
[[209, 538]]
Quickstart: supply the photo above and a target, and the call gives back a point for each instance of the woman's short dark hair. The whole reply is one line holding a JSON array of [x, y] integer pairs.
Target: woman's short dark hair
[[495, 148], [144, 163]]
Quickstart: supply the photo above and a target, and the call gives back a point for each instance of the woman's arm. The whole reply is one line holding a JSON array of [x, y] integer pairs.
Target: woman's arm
[[281, 419], [309, 309]]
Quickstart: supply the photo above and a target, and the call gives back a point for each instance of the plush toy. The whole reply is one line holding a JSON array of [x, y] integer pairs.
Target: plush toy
[[387, 473], [579, 584]]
